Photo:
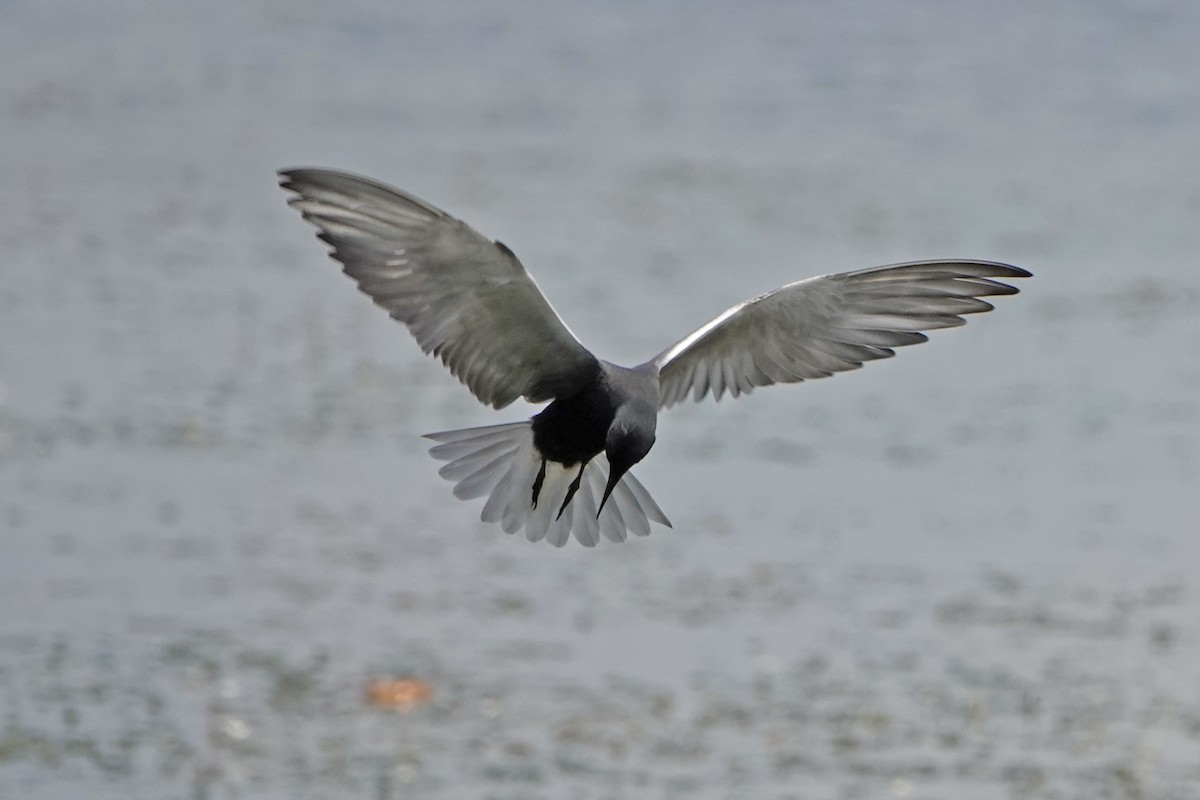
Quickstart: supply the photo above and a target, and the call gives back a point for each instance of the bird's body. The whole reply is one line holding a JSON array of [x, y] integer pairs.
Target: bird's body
[[469, 301], [572, 429]]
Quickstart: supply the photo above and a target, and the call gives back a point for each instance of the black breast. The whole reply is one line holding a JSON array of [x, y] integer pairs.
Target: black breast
[[572, 430]]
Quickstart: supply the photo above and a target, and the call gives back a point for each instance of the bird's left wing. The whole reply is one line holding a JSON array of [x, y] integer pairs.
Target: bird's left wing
[[819, 326], [465, 298]]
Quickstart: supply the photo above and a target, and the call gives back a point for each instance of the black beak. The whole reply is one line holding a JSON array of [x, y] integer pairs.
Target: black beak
[[614, 478]]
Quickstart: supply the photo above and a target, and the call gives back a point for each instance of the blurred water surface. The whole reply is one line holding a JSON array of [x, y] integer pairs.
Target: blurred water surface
[[966, 572]]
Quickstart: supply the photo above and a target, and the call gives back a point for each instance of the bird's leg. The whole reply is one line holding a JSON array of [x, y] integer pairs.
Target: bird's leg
[[538, 481], [574, 487]]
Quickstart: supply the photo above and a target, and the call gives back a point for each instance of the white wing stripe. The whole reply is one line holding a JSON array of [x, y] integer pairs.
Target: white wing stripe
[[697, 335]]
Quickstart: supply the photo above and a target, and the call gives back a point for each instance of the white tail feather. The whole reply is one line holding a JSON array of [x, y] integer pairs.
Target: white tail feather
[[502, 463]]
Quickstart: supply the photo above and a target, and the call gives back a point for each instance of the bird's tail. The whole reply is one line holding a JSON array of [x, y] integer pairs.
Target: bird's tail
[[502, 463]]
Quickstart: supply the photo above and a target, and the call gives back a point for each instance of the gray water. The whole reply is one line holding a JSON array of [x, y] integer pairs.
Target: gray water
[[968, 572]]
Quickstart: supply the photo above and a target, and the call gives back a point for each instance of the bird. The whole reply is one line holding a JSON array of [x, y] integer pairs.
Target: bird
[[469, 301]]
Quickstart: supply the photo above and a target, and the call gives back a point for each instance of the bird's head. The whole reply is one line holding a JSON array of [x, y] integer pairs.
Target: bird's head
[[629, 439]]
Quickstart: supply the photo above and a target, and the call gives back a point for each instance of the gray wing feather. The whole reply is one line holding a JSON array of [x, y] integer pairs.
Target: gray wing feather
[[466, 299], [831, 323]]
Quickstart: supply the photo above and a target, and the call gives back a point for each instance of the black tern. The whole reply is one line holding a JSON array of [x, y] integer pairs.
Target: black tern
[[468, 301]]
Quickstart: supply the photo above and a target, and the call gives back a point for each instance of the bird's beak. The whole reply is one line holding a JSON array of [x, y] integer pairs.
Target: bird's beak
[[614, 478]]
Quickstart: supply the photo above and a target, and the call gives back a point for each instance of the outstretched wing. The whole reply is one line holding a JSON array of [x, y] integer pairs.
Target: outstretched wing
[[465, 298], [819, 326]]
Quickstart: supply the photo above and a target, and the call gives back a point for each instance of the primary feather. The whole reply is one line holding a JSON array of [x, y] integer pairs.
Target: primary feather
[[831, 323], [466, 299]]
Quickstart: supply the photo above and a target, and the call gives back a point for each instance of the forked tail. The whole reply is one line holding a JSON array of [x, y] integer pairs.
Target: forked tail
[[502, 463]]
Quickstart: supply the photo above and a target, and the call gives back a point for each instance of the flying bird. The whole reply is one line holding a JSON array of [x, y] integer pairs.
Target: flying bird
[[468, 301]]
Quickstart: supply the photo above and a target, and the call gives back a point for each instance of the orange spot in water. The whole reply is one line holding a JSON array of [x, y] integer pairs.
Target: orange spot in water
[[404, 694]]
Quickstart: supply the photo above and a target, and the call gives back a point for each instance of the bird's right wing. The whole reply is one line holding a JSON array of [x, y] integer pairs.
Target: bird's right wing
[[819, 326], [466, 299]]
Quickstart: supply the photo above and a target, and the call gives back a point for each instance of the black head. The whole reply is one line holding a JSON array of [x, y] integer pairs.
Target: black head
[[629, 439]]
